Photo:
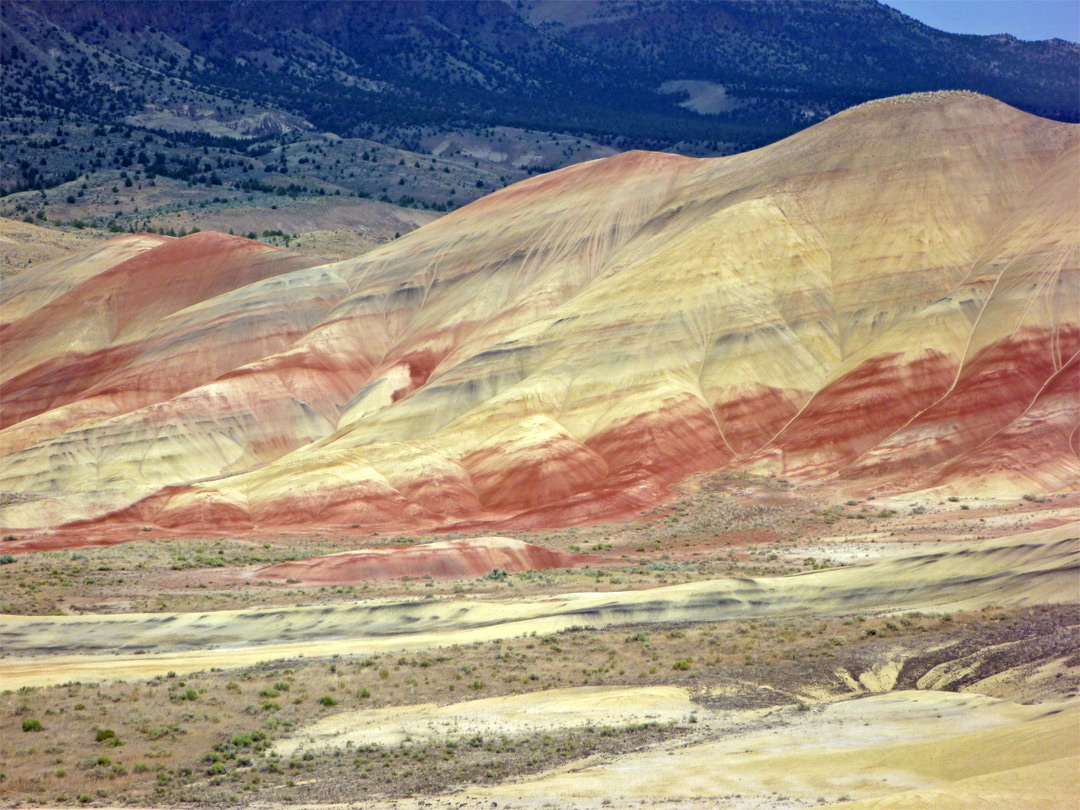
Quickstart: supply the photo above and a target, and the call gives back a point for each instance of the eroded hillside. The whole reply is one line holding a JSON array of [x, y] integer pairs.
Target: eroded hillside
[[885, 302]]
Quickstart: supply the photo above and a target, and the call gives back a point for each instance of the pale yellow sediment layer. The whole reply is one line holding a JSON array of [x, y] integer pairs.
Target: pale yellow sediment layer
[[908, 749], [548, 710]]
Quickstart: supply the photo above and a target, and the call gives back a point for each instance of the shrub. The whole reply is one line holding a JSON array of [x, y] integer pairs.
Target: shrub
[[32, 725], [364, 693], [682, 664], [326, 700], [103, 734], [6, 559]]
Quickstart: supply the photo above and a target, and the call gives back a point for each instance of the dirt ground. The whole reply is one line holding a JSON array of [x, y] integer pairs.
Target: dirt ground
[[746, 645], [27, 244]]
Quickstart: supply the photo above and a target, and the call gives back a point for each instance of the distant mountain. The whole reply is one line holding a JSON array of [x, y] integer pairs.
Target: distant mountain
[[885, 302], [393, 68], [165, 115]]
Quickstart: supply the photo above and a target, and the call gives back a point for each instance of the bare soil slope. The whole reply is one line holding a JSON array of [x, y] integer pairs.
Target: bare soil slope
[[24, 244], [885, 302]]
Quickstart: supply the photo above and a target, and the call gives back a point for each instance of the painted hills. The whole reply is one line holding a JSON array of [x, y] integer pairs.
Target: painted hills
[[888, 301]]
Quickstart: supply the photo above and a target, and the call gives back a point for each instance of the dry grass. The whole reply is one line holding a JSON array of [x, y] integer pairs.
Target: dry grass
[[205, 738], [167, 732]]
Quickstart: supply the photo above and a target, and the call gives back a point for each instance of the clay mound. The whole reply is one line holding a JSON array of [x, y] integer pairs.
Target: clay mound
[[467, 558], [885, 302]]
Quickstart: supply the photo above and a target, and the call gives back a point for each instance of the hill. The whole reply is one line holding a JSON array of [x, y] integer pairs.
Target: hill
[[885, 302]]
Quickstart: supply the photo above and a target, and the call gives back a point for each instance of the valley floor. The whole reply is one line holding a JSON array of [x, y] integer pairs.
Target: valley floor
[[930, 659]]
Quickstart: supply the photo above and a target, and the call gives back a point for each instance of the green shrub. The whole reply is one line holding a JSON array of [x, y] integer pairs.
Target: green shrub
[[682, 664], [326, 700], [32, 725]]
